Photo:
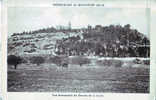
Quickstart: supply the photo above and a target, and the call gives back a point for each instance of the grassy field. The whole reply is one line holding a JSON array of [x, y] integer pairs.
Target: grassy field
[[51, 78]]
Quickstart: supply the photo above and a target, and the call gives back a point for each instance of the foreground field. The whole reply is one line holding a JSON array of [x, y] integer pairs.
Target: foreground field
[[51, 78]]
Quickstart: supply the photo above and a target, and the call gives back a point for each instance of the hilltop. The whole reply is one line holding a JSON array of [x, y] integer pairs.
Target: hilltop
[[105, 41]]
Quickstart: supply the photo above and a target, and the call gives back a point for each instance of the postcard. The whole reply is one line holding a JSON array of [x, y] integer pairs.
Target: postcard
[[78, 49]]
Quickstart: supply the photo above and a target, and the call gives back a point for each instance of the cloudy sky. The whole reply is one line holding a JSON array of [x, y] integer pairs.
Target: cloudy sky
[[30, 18]]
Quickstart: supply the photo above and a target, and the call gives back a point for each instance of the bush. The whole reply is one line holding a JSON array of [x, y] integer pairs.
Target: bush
[[37, 60], [146, 62], [24, 60], [56, 60], [114, 63], [117, 63], [14, 60], [80, 60], [137, 61], [59, 60], [104, 62]]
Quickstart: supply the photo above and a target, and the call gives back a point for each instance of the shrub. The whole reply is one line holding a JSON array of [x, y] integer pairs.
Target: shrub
[[59, 60], [117, 63], [56, 60], [37, 60], [137, 61], [104, 62], [14, 60], [24, 60], [110, 62], [80, 60], [146, 62]]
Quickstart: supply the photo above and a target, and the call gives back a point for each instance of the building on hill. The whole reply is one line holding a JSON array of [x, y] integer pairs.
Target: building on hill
[[98, 28], [89, 27], [65, 28], [69, 26]]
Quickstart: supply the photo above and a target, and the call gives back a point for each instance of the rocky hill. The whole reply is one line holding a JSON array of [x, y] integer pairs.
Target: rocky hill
[[107, 41]]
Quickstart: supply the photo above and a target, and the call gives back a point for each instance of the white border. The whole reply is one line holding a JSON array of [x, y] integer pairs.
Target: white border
[[48, 96]]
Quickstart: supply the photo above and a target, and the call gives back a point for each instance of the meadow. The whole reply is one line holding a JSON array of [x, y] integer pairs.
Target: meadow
[[100, 76]]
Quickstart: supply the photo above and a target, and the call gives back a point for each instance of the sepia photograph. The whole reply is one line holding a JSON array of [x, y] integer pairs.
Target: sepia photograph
[[78, 50]]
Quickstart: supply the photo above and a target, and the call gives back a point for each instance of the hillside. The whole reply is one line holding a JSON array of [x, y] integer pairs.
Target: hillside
[[107, 41]]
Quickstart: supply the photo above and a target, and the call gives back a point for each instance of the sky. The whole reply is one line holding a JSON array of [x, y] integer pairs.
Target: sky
[[30, 18]]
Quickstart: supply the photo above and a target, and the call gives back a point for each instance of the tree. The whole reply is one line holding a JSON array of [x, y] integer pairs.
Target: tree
[[37, 60], [128, 26], [14, 60]]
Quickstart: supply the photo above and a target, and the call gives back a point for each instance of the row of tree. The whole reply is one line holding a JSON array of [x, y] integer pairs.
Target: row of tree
[[58, 60]]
